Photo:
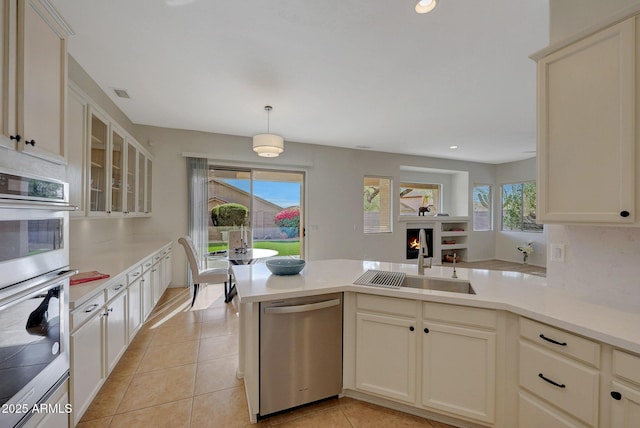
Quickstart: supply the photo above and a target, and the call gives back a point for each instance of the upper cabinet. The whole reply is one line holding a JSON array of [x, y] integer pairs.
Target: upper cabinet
[[587, 97], [109, 172], [34, 89]]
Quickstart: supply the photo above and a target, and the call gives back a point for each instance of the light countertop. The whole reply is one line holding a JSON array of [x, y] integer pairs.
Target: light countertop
[[519, 293], [113, 261]]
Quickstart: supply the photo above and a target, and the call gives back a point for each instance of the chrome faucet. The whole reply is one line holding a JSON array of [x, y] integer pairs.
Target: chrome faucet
[[423, 252], [455, 275]]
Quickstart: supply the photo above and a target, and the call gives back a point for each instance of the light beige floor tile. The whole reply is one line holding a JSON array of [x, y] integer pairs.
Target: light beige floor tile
[[215, 375], [332, 417], [108, 398], [159, 387], [220, 314], [226, 408], [304, 411], [171, 415], [96, 423], [218, 347], [143, 338], [176, 334], [361, 414], [129, 361], [165, 356], [213, 329]]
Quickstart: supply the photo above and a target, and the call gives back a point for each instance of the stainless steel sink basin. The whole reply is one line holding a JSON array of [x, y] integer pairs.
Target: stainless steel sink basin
[[438, 284]]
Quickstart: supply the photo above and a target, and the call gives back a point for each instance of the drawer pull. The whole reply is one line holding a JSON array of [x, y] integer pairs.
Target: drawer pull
[[555, 342], [135, 274], [91, 308], [616, 395], [559, 385], [118, 287]]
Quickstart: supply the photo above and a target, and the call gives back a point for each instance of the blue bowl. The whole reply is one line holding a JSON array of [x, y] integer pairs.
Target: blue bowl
[[285, 266]]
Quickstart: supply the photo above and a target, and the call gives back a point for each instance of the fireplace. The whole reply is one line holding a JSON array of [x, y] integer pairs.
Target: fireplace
[[412, 243]]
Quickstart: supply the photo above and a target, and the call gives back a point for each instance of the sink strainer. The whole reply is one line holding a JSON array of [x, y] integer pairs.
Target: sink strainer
[[381, 278]]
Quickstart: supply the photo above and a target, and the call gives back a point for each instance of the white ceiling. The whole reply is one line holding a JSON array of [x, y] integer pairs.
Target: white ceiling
[[345, 73]]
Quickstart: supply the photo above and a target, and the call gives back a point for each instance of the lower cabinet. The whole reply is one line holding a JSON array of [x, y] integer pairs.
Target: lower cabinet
[[116, 330], [459, 360], [438, 357], [147, 293], [625, 390], [134, 300]]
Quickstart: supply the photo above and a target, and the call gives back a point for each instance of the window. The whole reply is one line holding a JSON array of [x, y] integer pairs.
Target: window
[[519, 207], [416, 195], [482, 207], [377, 205]]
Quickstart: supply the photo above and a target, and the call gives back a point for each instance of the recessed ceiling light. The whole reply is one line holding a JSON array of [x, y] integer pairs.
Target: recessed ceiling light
[[453, 147]]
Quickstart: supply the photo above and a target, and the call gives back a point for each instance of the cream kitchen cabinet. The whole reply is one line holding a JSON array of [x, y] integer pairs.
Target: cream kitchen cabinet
[[459, 360], [147, 291], [134, 300], [587, 143], [559, 376], [386, 344], [34, 53], [625, 390], [77, 111], [116, 338]]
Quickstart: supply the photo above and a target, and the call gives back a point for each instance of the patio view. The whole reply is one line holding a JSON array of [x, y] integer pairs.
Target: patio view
[[265, 204]]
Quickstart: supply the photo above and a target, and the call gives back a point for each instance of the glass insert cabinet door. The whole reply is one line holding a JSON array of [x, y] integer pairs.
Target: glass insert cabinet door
[[142, 162], [98, 169], [117, 168], [131, 178]]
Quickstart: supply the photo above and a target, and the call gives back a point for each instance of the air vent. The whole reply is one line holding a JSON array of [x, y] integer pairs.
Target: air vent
[[122, 93], [381, 278]]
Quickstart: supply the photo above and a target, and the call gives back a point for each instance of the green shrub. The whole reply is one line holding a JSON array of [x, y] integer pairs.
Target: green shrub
[[231, 214]]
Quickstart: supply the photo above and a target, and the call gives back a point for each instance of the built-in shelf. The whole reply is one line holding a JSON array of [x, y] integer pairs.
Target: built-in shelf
[[445, 228]]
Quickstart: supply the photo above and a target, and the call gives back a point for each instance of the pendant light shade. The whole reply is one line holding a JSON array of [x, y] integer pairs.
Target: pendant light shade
[[426, 6], [268, 145]]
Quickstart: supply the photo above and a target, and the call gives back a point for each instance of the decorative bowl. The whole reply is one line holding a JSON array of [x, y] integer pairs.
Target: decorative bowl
[[285, 266]]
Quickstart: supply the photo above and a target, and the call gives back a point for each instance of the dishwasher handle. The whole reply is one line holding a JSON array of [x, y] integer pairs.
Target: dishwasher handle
[[301, 308]]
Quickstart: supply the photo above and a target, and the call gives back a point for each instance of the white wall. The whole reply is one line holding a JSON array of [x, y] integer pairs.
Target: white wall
[[568, 17], [334, 190], [507, 241], [601, 263]]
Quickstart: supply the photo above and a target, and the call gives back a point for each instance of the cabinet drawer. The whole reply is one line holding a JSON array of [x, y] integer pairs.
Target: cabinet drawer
[[146, 265], [533, 413], [158, 256], [460, 315], [116, 287], [561, 341], [86, 311], [134, 274], [387, 305], [576, 386], [626, 366]]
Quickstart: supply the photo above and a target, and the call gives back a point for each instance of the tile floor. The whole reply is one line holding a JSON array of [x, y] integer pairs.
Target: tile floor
[[179, 371]]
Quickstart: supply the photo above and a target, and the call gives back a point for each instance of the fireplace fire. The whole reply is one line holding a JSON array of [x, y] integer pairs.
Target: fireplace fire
[[413, 244]]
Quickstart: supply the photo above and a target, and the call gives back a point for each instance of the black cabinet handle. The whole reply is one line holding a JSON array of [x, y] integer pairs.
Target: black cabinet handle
[[555, 342], [411, 328], [15, 137], [624, 214], [616, 395], [32, 142], [559, 385], [426, 330]]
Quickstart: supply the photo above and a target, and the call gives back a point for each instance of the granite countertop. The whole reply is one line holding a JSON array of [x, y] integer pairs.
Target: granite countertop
[[519, 293], [114, 260]]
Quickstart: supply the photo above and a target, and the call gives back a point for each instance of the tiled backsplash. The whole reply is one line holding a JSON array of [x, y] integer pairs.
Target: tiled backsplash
[[601, 264]]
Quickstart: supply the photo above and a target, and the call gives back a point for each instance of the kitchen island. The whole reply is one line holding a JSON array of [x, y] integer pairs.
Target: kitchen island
[[499, 312]]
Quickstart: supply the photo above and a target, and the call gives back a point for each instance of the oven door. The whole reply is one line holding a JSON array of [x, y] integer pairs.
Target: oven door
[[34, 241], [34, 343]]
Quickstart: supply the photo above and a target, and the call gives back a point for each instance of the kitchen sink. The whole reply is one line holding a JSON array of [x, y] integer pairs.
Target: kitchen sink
[[438, 284]]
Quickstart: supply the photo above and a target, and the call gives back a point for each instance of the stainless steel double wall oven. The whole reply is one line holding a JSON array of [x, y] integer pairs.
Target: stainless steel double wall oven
[[34, 288]]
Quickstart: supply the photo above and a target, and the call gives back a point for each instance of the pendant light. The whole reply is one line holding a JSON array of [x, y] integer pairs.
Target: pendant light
[[268, 145], [426, 6]]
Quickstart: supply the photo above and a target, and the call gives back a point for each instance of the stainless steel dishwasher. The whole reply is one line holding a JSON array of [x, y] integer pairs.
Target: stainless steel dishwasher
[[300, 351]]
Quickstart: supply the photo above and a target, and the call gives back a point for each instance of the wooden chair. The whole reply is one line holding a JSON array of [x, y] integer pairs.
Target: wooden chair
[[206, 276]]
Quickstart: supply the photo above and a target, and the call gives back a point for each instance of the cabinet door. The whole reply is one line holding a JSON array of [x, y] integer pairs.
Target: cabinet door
[[8, 47], [386, 356], [117, 172], [586, 138], [147, 294], [116, 330], [41, 81], [132, 162], [98, 161], [149, 186], [86, 365], [168, 270], [76, 155], [459, 370], [142, 168], [156, 281], [625, 406], [534, 413], [134, 295]]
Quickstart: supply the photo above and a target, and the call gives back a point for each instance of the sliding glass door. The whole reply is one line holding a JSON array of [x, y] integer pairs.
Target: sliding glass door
[[266, 206]]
